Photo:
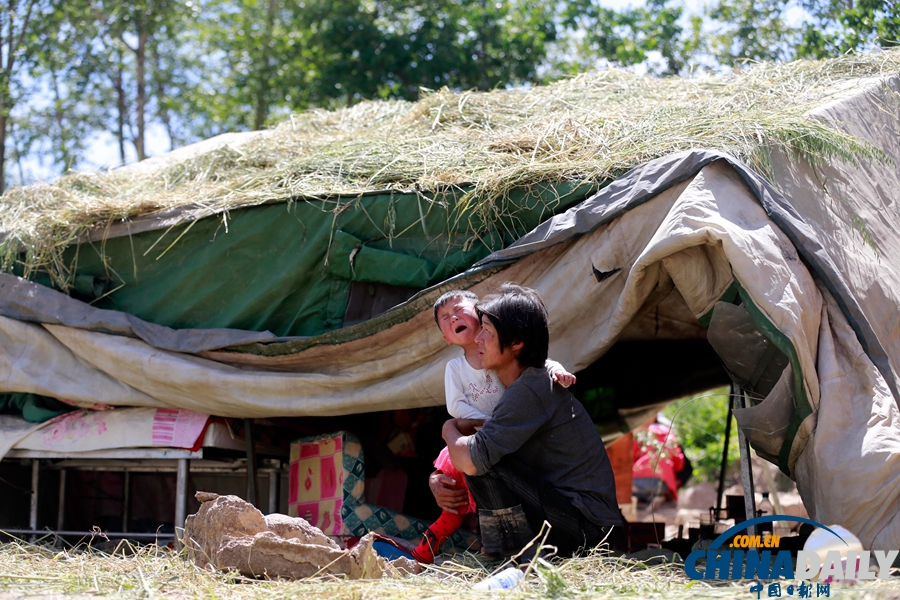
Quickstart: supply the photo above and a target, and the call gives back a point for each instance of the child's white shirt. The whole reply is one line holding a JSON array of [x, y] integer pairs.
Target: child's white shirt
[[473, 393]]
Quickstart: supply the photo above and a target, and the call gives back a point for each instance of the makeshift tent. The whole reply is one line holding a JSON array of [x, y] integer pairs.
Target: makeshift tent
[[793, 278]]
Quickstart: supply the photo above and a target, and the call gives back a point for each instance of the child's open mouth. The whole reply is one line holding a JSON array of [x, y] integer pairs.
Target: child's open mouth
[[461, 328]]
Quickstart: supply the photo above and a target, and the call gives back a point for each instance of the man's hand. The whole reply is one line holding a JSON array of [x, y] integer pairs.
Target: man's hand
[[446, 496]]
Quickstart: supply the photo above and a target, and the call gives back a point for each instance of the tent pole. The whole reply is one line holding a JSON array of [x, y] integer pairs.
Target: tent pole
[[252, 497], [724, 456], [746, 467], [274, 480], [181, 485], [35, 481], [61, 510], [126, 499]]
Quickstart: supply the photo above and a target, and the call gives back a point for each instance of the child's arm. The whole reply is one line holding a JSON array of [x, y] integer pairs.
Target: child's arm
[[559, 374], [456, 397], [469, 426]]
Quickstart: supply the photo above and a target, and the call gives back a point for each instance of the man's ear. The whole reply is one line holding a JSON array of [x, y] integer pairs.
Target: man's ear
[[516, 348]]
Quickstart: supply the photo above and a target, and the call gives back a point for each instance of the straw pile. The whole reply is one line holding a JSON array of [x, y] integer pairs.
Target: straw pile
[[151, 572], [592, 127]]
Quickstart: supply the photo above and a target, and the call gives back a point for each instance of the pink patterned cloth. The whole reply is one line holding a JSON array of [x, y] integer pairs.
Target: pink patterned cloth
[[177, 427], [445, 466], [87, 430]]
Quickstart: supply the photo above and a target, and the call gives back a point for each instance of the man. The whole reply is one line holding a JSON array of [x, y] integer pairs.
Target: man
[[539, 457]]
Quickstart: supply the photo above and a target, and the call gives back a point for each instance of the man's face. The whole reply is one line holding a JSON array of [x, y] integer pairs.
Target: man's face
[[489, 347], [458, 321]]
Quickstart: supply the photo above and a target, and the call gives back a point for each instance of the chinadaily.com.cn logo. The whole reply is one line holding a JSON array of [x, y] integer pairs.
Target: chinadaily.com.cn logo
[[736, 555]]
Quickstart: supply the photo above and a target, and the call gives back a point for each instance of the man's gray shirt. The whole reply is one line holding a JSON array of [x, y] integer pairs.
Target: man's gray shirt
[[544, 427]]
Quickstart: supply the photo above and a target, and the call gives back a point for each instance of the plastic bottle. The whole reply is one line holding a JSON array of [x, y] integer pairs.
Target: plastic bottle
[[504, 580], [821, 542], [765, 508]]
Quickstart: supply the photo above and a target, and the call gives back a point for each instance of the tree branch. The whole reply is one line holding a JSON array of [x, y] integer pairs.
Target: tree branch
[[24, 28], [9, 38]]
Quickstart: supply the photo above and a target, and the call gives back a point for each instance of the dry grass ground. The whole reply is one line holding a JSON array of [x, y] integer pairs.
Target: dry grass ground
[[30, 571]]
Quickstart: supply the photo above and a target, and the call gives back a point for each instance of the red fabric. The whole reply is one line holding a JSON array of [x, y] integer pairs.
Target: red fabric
[[671, 462], [443, 464], [435, 536]]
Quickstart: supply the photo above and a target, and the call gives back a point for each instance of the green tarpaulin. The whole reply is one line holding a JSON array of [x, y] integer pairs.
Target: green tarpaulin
[[287, 267]]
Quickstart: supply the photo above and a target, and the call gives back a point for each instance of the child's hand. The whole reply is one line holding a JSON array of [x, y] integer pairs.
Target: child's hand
[[564, 378]]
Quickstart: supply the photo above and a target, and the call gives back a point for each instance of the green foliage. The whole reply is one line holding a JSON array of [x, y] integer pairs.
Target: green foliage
[[391, 49], [109, 67], [749, 30], [699, 423], [757, 29], [61, 126], [840, 26], [198, 68], [23, 26], [255, 51], [624, 37], [281, 56]]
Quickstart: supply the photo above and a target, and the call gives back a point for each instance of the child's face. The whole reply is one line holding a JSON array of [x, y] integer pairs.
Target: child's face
[[459, 322]]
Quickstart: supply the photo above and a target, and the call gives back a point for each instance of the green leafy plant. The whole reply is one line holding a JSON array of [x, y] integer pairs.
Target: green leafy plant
[[699, 424]]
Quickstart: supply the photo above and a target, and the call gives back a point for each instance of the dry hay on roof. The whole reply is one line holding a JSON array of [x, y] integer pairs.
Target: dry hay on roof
[[592, 127]]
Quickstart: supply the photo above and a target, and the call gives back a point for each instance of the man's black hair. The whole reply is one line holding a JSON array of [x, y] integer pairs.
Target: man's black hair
[[452, 295], [519, 315]]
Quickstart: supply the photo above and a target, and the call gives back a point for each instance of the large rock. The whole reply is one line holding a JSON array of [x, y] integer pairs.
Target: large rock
[[228, 533]]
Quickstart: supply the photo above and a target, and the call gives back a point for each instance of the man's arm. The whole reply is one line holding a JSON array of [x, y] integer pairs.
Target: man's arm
[[458, 447], [519, 414]]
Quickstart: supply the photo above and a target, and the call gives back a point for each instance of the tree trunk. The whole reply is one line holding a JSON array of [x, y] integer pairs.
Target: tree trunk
[[13, 42], [65, 157], [162, 110], [120, 108], [4, 101], [3, 126], [140, 57], [262, 91]]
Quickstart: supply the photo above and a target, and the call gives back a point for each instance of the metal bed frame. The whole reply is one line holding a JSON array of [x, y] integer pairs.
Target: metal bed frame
[[152, 460]]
